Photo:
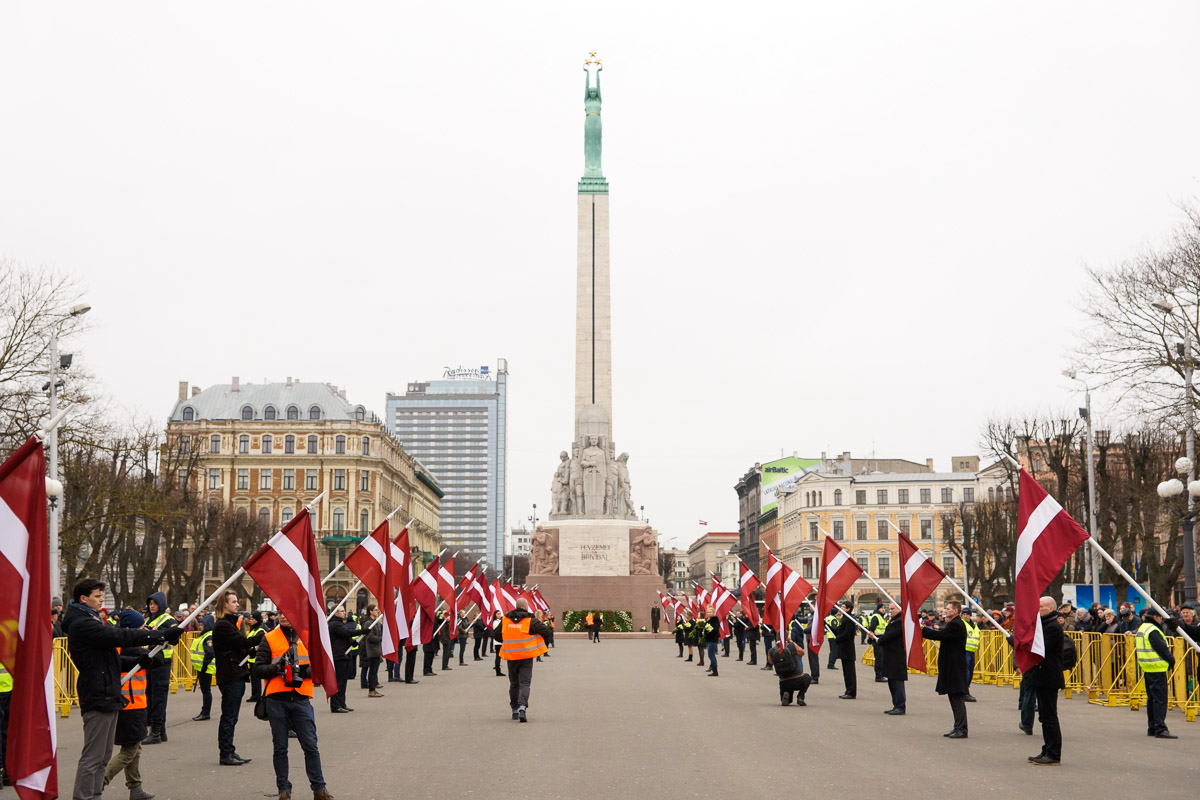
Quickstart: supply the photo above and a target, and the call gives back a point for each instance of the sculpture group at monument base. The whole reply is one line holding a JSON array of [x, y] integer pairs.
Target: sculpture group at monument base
[[634, 593]]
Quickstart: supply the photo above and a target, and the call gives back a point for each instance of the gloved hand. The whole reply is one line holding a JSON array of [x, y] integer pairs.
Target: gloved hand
[[172, 634], [145, 662], [257, 636], [304, 671]]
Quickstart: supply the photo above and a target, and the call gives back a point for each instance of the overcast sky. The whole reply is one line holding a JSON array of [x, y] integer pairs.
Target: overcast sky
[[834, 226]]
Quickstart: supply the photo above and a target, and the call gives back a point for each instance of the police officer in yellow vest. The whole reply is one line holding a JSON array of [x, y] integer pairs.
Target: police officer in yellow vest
[[830, 622], [877, 624], [6, 687], [160, 679], [282, 661], [1156, 660], [972, 624], [205, 666], [522, 639]]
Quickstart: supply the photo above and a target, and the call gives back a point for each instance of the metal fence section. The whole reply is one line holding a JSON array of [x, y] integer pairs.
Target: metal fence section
[[183, 674]]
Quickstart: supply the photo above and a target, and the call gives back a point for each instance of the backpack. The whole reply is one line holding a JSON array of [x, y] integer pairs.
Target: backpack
[[1070, 656], [785, 661]]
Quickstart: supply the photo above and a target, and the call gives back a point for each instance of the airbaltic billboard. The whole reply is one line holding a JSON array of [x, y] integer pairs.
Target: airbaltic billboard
[[783, 474]]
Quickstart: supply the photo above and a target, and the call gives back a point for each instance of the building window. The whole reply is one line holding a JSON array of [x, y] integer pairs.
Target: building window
[[243, 444], [925, 496], [310, 480], [863, 562], [183, 479], [264, 480], [360, 414], [808, 567], [243, 480], [264, 517], [289, 479], [882, 532], [881, 497], [312, 445], [860, 496], [812, 531], [247, 413], [948, 527], [364, 480], [289, 444], [364, 521], [286, 515], [185, 444], [214, 443], [839, 530], [860, 530], [948, 565], [947, 495], [905, 526], [214, 479], [189, 414], [968, 495], [837, 497], [366, 445], [269, 413], [991, 494], [339, 480], [266, 445], [314, 412], [339, 521], [926, 529], [883, 566], [339, 445], [903, 496], [293, 412]]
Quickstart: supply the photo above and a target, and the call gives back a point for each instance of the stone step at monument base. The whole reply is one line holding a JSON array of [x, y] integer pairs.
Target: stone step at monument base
[[636, 594], [616, 635]]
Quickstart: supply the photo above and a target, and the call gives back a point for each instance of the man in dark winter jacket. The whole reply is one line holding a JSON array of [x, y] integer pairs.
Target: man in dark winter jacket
[[892, 662], [1046, 678], [159, 618], [341, 639], [93, 647], [844, 631], [131, 720], [952, 665], [230, 649]]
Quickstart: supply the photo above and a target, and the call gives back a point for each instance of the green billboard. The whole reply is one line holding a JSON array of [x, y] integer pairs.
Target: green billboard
[[783, 473]]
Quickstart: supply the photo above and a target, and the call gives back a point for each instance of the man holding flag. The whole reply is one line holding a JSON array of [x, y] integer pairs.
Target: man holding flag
[[952, 664]]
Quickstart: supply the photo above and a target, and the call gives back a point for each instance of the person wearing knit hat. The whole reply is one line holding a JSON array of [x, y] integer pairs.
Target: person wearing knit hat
[[131, 721]]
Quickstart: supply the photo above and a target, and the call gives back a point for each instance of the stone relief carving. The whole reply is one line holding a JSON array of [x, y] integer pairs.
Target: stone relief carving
[[543, 552], [643, 552], [590, 483]]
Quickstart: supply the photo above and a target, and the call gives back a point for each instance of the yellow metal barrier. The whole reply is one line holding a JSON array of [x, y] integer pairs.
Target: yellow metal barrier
[[183, 675]]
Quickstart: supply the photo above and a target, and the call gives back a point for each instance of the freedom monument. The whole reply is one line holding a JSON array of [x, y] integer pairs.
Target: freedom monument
[[594, 553]]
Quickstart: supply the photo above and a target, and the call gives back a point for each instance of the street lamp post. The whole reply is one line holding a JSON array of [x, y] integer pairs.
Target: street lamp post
[[1189, 524], [55, 578], [1093, 561]]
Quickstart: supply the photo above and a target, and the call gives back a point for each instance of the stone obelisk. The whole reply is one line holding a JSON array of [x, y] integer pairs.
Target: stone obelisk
[[594, 553]]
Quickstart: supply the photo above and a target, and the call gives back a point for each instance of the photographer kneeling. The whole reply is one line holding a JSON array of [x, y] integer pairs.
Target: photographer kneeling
[[789, 668], [282, 660]]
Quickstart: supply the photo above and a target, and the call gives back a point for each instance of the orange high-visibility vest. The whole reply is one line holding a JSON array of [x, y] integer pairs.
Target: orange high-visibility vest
[[279, 646], [517, 643], [588, 618], [135, 690]]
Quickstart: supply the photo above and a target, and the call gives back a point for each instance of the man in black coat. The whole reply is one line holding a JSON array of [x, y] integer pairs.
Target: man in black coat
[[341, 638], [656, 617], [843, 634], [952, 665], [892, 661], [93, 645], [1046, 678]]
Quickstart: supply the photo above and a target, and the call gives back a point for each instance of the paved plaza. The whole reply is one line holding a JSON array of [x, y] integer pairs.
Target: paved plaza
[[626, 719]]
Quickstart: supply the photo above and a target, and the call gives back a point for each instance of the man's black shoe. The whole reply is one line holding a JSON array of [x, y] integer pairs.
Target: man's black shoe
[[846, 697], [252, 700], [1045, 761], [521, 711], [955, 735], [342, 710], [230, 761], [516, 715], [881, 680], [410, 682], [895, 712], [1165, 735], [200, 717], [970, 699], [713, 675], [1027, 731], [242, 759], [815, 681], [801, 703], [429, 674], [499, 674]]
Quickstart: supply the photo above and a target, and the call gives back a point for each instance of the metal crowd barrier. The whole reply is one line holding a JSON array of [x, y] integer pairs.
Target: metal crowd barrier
[[1106, 671], [183, 675]]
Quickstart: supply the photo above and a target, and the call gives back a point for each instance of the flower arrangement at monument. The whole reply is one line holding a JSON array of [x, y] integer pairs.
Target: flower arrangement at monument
[[614, 621]]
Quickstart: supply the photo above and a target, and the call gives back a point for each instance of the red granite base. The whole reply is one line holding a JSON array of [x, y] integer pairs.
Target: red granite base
[[635, 594]]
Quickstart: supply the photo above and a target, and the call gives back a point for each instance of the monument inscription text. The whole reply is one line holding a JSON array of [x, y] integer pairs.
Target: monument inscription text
[[592, 552]]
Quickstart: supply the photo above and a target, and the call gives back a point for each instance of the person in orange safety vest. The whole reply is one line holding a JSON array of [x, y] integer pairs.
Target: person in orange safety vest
[[522, 639]]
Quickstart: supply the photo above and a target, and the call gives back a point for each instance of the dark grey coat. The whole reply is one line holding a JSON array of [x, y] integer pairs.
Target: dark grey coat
[[889, 651], [952, 656]]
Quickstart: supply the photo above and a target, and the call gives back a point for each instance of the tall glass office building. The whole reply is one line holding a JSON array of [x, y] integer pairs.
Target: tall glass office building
[[457, 428]]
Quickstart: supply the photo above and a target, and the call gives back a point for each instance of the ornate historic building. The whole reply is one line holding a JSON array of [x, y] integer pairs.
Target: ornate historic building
[[269, 449]]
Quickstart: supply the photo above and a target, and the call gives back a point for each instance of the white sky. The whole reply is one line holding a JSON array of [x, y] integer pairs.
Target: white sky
[[839, 226]]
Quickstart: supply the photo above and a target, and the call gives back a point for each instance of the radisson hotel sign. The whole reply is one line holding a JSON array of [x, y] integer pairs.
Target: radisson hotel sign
[[461, 373]]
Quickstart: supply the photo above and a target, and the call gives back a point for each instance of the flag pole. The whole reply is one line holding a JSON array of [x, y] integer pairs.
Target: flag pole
[[865, 573], [52, 423], [1149, 600]]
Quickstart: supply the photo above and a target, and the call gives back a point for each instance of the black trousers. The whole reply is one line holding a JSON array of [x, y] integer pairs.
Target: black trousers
[[158, 689], [833, 652], [373, 672], [850, 676], [1047, 699], [959, 706], [429, 653], [1156, 702], [344, 669], [753, 651], [899, 696], [878, 665], [446, 653], [520, 676], [475, 650], [814, 664], [797, 684]]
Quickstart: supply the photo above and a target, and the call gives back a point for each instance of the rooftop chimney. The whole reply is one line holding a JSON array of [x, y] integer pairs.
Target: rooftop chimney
[[929, 465], [235, 387], [183, 389], [342, 393], [195, 391], [289, 381]]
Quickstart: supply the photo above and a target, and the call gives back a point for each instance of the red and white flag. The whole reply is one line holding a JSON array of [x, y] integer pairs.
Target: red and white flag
[[838, 573], [723, 601], [425, 593], [749, 582], [445, 589], [406, 604], [702, 522], [372, 563], [702, 600], [918, 578], [476, 590], [666, 607], [25, 645], [539, 602], [1047, 537], [505, 597], [786, 590], [285, 568]]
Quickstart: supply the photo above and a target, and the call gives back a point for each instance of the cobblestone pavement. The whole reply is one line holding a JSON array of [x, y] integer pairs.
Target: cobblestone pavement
[[626, 719]]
